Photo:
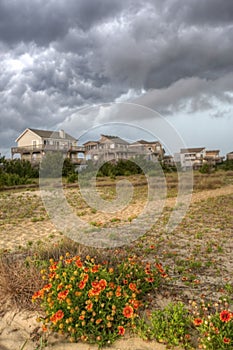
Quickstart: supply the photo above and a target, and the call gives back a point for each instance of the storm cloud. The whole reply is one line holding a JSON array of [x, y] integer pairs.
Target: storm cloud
[[59, 56]]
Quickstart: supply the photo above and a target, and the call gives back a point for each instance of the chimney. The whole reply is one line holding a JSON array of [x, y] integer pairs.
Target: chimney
[[62, 134]]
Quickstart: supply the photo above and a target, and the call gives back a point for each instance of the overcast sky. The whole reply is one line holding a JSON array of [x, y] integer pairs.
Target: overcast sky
[[175, 56]]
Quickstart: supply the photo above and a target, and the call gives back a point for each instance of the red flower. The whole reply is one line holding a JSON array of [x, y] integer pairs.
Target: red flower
[[128, 311], [47, 287], [53, 267], [68, 261], [78, 263], [52, 275], [89, 306], [82, 284], [95, 284], [85, 277], [95, 268], [38, 294], [118, 292], [102, 284], [121, 330], [164, 275], [57, 316], [44, 328], [226, 340], [150, 279], [111, 285], [133, 287], [225, 316], [135, 304], [62, 295], [95, 291], [197, 321]]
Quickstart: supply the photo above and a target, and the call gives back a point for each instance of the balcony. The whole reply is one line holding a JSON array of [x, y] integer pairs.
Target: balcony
[[40, 148]]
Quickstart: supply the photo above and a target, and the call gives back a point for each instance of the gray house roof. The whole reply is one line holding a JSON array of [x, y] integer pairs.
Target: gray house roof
[[54, 134], [115, 139], [192, 150]]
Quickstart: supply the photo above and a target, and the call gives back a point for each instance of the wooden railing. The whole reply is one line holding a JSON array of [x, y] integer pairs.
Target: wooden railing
[[38, 148]]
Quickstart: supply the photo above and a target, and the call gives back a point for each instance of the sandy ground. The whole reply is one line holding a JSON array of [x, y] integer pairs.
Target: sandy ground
[[19, 330]]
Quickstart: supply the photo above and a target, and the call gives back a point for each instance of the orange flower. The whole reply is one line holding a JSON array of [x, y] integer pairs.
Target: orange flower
[[226, 340], [125, 281], [47, 287], [85, 277], [89, 306], [95, 284], [52, 275], [68, 261], [225, 316], [57, 316], [133, 287], [81, 317], [82, 284], [78, 263], [197, 321], [98, 321], [102, 284], [62, 295], [128, 311], [95, 268], [121, 330], [53, 267], [60, 286], [44, 328], [111, 285], [164, 275], [135, 304], [38, 294], [150, 279], [95, 290]]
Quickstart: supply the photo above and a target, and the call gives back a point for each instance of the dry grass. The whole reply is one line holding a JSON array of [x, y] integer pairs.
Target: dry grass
[[18, 281], [20, 273]]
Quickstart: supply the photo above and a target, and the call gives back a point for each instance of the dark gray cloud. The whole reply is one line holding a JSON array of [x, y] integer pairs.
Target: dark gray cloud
[[58, 56]]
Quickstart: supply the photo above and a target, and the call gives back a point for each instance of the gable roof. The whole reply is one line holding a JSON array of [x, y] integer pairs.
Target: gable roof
[[47, 134], [115, 139], [143, 142], [192, 150]]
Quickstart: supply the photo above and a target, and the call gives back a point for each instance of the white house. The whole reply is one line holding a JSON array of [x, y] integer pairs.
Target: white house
[[33, 144]]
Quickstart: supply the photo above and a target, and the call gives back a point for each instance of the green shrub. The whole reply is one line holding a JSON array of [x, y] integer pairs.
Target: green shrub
[[171, 325], [92, 302], [73, 177], [215, 326]]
